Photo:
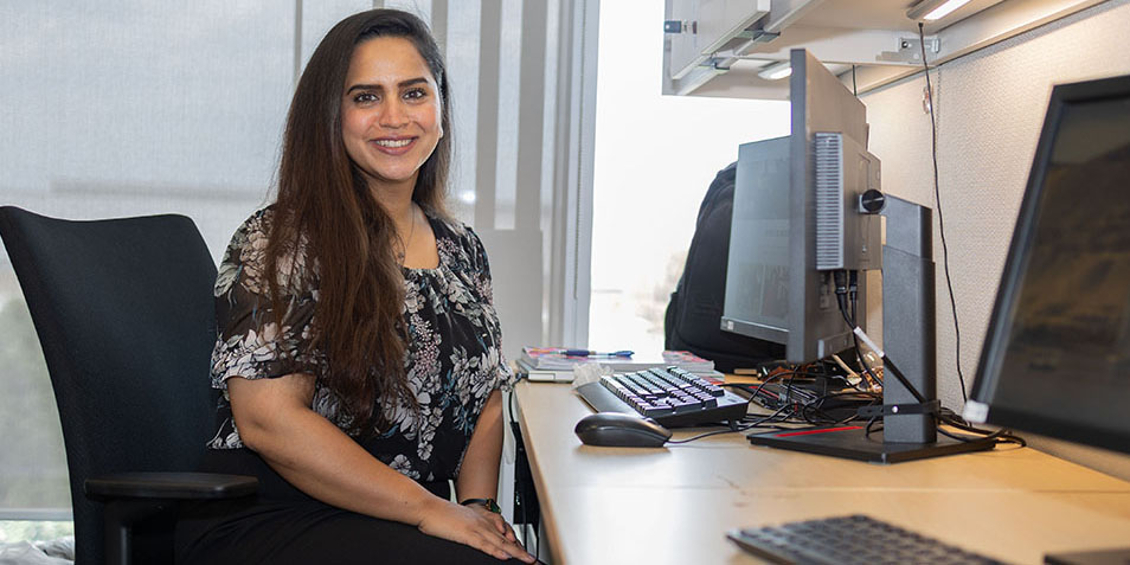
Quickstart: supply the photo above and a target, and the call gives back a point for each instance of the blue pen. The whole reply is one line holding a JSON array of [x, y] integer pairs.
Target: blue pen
[[597, 354]]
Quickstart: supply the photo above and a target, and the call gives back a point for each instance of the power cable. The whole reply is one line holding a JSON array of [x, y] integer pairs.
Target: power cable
[[941, 219]]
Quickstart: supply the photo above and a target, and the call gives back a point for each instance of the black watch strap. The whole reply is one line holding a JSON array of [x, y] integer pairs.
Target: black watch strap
[[489, 503]]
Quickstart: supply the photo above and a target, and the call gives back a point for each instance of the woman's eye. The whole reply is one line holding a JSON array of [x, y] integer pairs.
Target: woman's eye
[[365, 97], [415, 94]]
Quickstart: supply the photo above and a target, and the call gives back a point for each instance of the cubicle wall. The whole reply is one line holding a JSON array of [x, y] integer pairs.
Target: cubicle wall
[[989, 107]]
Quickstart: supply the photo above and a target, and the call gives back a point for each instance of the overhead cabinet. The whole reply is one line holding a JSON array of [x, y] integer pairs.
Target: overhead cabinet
[[740, 48]]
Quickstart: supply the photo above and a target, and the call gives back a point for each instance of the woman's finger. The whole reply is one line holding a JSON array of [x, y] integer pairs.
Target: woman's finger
[[506, 529], [502, 549], [510, 535], [499, 523], [512, 549]]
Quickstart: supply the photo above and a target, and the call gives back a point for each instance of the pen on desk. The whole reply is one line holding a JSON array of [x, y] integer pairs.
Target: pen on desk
[[597, 354]]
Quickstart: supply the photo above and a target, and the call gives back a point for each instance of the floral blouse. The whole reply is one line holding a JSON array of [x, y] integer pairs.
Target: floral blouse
[[454, 359]]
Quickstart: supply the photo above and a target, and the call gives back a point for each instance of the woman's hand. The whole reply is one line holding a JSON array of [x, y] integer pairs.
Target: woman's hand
[[474, 526]]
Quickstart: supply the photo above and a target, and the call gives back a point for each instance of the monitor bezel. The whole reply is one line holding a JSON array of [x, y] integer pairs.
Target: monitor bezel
[[999, 329]]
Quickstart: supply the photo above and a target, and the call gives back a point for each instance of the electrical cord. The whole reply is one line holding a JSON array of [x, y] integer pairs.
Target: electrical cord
[[841, 280], [949, 418], [875, 379], [941, 219], [945, 416], [810, 412], [732, 429], [818, 406], [513, 422], [858, 347], [841, 300], [525, 521], [789, 388], [782, 415], [778, 376]]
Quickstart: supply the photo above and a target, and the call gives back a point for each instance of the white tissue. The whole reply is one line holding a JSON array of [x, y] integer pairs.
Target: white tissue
[[589, 373]]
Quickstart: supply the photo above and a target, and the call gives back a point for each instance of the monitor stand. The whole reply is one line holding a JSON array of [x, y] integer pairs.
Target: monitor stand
[[909, 339], [853, 442]]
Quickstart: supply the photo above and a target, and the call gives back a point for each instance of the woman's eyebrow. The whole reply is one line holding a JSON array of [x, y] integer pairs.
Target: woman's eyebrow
[[401, 84]]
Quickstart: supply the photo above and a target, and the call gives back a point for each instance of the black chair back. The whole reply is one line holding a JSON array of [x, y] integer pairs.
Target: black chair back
[[125, 315]]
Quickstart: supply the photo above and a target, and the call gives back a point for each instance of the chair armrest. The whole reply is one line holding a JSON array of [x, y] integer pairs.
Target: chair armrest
[[169, 486]]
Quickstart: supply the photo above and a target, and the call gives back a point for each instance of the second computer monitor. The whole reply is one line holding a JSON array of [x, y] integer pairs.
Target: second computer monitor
[[1057, 351], [796, 221]]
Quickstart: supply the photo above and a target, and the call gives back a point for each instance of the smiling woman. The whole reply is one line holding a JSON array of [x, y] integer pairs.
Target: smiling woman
[[359, 347]]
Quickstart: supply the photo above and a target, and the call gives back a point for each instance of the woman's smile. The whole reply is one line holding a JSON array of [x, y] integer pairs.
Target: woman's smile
[[394, 145]]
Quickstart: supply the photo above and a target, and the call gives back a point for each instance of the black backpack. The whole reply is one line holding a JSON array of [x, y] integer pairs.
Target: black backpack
[[693, 318]]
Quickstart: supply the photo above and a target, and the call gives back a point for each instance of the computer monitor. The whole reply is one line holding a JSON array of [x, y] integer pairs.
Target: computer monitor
[[803, 227], [796, 221], [1056, 358]]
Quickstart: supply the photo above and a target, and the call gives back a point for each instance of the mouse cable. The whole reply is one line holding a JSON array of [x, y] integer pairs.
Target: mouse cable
[[732, 429], [941, 219]]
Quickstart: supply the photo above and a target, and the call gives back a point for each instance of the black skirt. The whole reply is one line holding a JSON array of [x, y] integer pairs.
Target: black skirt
[[281, 525]]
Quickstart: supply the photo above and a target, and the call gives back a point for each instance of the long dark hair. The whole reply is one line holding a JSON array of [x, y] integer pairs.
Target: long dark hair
[[326, 209]]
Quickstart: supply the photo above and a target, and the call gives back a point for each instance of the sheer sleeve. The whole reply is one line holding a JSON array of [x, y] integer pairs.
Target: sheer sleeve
[[254, 342]]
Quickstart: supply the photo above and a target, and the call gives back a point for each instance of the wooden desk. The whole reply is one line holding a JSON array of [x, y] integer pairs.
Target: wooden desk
[[674, 504]]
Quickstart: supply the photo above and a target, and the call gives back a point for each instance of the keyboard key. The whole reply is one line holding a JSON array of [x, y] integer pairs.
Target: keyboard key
[[655, 411]]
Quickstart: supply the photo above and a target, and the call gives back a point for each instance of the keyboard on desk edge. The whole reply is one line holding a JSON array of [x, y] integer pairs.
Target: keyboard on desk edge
[[847, 540], [671, 396]]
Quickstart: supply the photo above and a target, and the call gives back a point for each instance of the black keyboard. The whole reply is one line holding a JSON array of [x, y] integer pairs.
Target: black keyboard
[[848, 540], [671, 396]]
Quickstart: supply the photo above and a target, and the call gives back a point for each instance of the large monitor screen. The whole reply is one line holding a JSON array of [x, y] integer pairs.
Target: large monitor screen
[[1057, 357], [776, 288]]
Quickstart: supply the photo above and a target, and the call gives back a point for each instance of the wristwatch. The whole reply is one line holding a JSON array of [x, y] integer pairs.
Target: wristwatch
[[489, 503]]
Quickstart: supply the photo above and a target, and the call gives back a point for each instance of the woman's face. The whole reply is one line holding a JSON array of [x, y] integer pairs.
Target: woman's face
[[390, 112]]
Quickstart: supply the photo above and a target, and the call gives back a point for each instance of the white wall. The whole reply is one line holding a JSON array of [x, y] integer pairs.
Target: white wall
[[990, 107]]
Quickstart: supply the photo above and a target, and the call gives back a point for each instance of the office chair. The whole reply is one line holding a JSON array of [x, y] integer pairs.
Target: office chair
[[125, 315]]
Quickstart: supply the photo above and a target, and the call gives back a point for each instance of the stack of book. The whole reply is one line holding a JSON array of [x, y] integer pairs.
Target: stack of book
[[557, 363]]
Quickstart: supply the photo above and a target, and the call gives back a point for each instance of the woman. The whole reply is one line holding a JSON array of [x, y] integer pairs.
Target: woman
[[359, 348]]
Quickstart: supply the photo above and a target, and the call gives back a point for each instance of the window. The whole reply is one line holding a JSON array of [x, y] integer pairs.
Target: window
[[121, 108], [655, 157]]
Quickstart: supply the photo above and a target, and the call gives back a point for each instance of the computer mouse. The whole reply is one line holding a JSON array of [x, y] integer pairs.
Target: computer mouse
[[613, 429]]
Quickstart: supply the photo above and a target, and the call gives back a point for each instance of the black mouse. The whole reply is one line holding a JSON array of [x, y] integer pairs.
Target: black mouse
[[621, 430]]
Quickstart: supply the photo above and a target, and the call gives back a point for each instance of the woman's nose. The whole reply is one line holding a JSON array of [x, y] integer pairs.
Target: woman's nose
[[394, 115]]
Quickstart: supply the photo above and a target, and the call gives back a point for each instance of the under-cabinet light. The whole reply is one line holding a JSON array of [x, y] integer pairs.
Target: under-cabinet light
[[775, 71], [932, 10]]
